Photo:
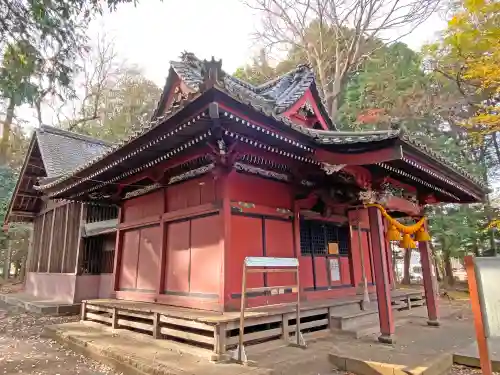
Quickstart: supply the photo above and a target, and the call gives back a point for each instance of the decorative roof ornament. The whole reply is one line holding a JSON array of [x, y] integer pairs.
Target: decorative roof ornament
[[331, 169], [212, 74], [146, 189], [191, 59], [222, 147], [368, 196]]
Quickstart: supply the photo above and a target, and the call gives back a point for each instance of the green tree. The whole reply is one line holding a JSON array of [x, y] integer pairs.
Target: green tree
[[40, 42], [457, 230]]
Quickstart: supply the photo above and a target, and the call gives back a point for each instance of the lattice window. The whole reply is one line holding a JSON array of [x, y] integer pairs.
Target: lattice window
[[319, 245], [305, 238], [315, 236]]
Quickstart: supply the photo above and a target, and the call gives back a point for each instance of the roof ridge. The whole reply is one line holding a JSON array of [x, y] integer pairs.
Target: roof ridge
[[74, 135], [272, 81], [361, 132]]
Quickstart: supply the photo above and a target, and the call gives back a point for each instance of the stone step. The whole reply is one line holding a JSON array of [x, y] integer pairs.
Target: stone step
[[368, 329], [354, 319]]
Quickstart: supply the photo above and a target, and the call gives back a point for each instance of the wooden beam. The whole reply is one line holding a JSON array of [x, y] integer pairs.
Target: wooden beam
[[118, 252], [79, 238], [29, 194], [362, 158], [23, 213], [35, 175], [51, 241], [40, 244], [163, 250], [58, 204], [63, 258]]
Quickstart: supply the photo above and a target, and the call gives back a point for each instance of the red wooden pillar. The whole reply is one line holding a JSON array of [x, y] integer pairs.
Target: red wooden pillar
[[429, 283], [381, 276], [163, 251], [296, 229], [225, 215], [118, 252]]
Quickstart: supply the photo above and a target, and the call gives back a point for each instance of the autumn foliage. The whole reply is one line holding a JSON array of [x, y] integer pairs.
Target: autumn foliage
[[469, 53]]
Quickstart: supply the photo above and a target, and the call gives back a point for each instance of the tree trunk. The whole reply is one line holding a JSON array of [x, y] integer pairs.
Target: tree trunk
[[4, 142], [448, 269], [394, 265], [6, 261], [435, 258], [406, 271], [488, 207], [22, 269]]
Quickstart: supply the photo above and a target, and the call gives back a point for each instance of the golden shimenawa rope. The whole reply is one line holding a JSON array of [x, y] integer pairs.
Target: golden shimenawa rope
[[406, 229]]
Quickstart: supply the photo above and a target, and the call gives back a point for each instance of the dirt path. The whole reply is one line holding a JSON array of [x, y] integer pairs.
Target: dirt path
[[24, 351]]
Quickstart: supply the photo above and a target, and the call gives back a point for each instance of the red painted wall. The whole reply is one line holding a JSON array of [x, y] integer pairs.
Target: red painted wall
[[252, 189], [144, 206], [191, 193], [194, 257], [195, 247], [139, 269], [261, 235]]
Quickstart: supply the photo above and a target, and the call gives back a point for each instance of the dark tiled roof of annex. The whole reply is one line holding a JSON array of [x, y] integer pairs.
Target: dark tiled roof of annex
[[63, 151]]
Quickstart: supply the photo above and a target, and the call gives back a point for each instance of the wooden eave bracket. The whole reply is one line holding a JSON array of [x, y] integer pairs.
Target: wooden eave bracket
[[364, 158]]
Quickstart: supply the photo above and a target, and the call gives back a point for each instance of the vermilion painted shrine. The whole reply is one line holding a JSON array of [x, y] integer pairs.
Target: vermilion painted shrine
[[226, 170]]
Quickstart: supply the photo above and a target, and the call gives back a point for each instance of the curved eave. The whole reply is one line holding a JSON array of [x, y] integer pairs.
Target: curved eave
[[406, 163], [118, 159], [443, 173]]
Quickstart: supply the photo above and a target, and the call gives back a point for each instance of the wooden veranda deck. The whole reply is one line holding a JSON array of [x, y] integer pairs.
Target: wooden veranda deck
[[218, 332]]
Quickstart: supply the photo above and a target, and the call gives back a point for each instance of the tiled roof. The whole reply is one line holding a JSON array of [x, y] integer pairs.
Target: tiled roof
[[342, 138], [271, 99], [277, 95], [64, 151]]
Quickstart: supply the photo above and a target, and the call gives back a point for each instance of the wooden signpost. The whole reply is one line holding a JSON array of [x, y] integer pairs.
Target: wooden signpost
[[483, 275], [269, 265]]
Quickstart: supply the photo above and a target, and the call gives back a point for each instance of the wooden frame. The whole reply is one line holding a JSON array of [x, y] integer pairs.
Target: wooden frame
[[475, 299], [269, 265], [220, 330]]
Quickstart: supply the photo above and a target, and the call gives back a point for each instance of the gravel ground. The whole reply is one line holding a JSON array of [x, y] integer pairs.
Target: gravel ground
[[24, 351], [462, 370]]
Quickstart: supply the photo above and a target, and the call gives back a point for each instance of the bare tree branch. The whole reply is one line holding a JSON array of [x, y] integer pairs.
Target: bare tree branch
[[337, 36]]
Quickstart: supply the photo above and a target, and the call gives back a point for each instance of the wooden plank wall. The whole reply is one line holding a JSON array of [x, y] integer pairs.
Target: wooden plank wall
[[73, 239], [32, 261], [56, 238]]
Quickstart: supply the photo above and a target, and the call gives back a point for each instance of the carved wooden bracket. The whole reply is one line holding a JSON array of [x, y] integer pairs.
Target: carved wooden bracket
[[361, 175]]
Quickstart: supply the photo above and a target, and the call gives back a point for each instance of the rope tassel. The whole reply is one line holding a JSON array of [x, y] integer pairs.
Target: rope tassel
[[422, 235], [393, 234], [397, 229]]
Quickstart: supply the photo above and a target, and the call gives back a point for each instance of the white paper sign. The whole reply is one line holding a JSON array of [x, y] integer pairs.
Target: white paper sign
[[334, 269]]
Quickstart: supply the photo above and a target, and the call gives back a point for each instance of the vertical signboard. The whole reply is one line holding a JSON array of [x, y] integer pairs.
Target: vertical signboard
[[483, 276]]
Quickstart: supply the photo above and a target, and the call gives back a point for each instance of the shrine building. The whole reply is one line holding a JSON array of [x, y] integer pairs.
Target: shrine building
[[226, 170]]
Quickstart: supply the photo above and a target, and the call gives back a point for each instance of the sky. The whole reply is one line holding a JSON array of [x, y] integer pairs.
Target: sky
[[156, 32]]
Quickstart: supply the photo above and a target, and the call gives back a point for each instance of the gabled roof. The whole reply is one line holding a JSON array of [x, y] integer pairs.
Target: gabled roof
[[275, 96], [52, 152], [63, 151]]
